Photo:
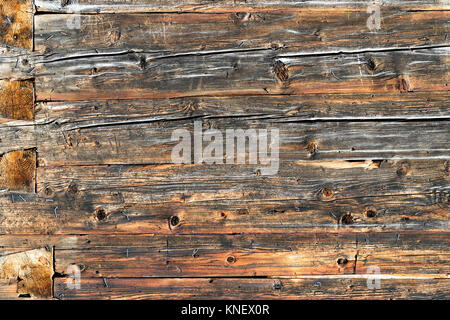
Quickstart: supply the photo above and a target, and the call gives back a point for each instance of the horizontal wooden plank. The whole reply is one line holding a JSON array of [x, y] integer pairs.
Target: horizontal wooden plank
[[414, 105], [254, 255], [16, 135], [150, 142], [409, 253], [313, 180], [77, 212], [225, 289], [309, 30], [97, 6], [8, 289], [109, 212], [129, 75]]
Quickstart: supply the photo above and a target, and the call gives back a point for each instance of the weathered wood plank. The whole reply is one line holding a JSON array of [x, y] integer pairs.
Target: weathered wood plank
[[29, 271], [307, 180], [16, 135], [75, 211], [225, 289], [364, 173], [276, 254], [97, 6], [129, 75], [310, 31], [15, 64], [255, 255], [16, 27], [345, 107], [150, 142]]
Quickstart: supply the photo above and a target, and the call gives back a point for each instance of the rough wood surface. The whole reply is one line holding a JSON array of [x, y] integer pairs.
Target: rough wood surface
[[91, 91], [225, 288], [312, 30], [17, 100], [101, 6], [150, 142], [128, 75]]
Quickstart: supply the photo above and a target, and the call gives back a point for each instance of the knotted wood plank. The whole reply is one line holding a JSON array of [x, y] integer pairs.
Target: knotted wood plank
[[17, 100], [129, 75], [311, 30], [251, 289]]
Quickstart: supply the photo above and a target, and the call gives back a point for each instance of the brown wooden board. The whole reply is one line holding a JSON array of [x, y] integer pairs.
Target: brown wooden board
[[310, 30], [225, 288]]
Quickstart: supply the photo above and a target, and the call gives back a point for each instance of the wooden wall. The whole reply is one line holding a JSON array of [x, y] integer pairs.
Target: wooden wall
[[91, 91]]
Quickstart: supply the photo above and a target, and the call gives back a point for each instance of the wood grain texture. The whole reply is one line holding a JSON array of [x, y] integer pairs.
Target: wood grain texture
[[91, 91], [311, 30], [275, 254], [255, 255], [15, 64], [226, 289], [75, 211], [128, 75], [102, 6], [150, 142], [300, 181], [345, 107]]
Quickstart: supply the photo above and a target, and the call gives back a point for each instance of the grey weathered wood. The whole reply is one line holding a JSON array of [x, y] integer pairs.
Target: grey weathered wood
[[53, 213], [318, 30], [294, 180], [151, 142], [15, 64], [255, 255], [344, 107], [17, 135]]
